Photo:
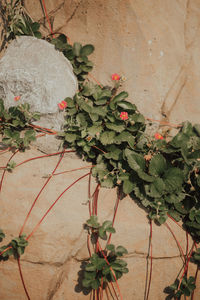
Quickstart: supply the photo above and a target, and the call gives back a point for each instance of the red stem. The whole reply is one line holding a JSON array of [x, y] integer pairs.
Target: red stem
[[46, 155], [196, 274], [50, 208], [89, 193], [22, 279], [186, 266], [111, 270], [177, 242], [114, 216], [3, 175], [47, 17], [151, 264], [40, 194]]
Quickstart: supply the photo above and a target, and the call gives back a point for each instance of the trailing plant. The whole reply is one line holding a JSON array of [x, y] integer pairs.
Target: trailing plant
[[77, 55], [105, 265], [176, 290], [16, 21], [15, 126], [104, 128], [16, 248]]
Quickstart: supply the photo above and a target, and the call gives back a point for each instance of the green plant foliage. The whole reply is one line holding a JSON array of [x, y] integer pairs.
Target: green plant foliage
[[17, 21], [77, 55], [196, 257], [168, 183], [15, 126], [186, 288], [98, 230], [103, 264], [16, 248]]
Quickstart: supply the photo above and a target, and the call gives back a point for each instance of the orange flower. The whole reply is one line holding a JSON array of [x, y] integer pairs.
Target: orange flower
[[158, 136], [115, 76], [124, 115], [17, 98], [62, 105]]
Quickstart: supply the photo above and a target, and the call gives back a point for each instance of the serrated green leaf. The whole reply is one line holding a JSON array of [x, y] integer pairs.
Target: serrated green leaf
[[128, 186], [126, 105], [136, 161], [87, 50], [119, 97], [173, 179], [157, 165], [107, 137], [70, 137], [115, 127]]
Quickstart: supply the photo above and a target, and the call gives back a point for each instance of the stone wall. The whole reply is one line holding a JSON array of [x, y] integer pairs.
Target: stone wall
[[155, 44]]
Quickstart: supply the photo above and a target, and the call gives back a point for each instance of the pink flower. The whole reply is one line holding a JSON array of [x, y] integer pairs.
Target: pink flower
[[62, 105], [17, 98], [124, 115], [158, 136], [115, 76]]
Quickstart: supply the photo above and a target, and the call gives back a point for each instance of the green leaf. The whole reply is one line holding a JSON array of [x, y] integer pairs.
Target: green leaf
[[145, 176], [107, 137], [157, 165], [81, 120], [173, 179], [35, 26], [87, 50], [136, 161], [70, 137], [120, 250], [110, 247], [128, 186], [76, 49], [119, 97], [126, 105], [101, 111], [93, 221], [102, 233], [115, 127], [108, 182]]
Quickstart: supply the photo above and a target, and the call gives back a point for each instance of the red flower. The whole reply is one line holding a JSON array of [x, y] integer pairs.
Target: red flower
[[62, 105], [16, 98], [158, 136], [115, 76], [124, 115]]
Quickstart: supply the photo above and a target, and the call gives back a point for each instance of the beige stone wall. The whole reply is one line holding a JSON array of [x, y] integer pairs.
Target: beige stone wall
[[155, 44]]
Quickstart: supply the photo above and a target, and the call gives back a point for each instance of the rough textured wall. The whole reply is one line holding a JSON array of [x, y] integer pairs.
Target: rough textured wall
[[155, 44]]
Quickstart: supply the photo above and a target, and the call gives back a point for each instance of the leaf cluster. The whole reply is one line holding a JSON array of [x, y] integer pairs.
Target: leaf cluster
[[16, 248], [102, 269], [186, 288], [104, 266], [77, 55], [14, 125], [16, 20], [96, 230]]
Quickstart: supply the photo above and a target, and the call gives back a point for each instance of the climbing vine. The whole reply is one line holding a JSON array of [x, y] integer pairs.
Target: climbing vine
[[108, 131]]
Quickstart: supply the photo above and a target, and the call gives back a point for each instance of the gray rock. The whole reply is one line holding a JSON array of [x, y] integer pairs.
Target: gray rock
[[43, 77]]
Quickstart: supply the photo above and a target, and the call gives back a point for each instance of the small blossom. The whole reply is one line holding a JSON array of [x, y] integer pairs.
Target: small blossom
[[88, 138], [158, 136], [124, 115], [17, 98], [62, 105], [148, 157], [123, 78], [115, 76]]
